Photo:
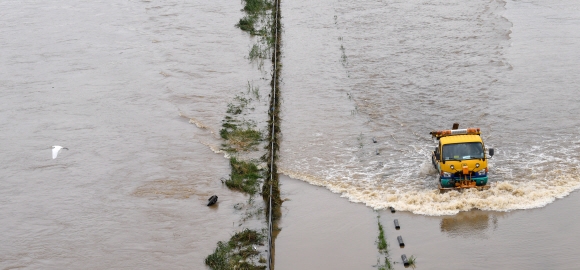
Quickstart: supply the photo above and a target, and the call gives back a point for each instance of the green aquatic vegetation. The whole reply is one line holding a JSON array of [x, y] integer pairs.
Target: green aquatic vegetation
[[238, 252], [239, 135], [244, 176], [386, 266], [247, 237], [240, 139], [383, 246], [411, 261], [257, 6], [256, 11], [382, 242], [247, 24], [240, 103]]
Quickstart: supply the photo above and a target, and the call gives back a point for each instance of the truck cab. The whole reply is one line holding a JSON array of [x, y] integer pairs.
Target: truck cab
[[460, 159]]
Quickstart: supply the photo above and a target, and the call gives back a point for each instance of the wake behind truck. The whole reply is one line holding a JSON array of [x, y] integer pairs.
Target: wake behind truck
[[460, 159]]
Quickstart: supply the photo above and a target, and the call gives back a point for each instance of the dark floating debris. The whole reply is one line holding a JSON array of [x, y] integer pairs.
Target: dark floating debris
[[377, 152], [212, 200], [400, 239], [374, 140], [397, 224], [405, 261], [392, 209]]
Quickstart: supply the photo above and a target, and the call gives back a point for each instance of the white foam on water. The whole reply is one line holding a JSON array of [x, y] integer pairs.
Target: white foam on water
[[501, 196], [519, 179]]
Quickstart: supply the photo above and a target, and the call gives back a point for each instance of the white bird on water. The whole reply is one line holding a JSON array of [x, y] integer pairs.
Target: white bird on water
[[56, 149]]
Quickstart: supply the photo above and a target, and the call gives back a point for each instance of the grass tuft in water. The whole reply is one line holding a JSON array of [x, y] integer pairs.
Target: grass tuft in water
[[383, 246], [411, 261], [239, 139], [238, 252], [382, 242], [386, 266], [247, 24], [255, 11], [244, 176]]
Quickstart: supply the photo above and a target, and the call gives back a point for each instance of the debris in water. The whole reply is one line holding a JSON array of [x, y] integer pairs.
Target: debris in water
[[212, 200]]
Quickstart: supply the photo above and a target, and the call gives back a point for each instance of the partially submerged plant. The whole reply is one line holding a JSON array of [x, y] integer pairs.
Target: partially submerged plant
[[244, 176], [382, 242], [240, 139], [411, 261], [386, 266], [240, 135], [255, 11], [383, 248], [238, 253]]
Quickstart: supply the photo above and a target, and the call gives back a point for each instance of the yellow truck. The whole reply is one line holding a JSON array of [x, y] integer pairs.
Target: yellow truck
[[460, 158]]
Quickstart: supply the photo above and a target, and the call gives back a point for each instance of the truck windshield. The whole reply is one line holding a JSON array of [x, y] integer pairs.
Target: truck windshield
[[460, 151]]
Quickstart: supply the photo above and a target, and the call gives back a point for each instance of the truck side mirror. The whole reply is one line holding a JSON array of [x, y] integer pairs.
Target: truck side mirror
[[491, 152]]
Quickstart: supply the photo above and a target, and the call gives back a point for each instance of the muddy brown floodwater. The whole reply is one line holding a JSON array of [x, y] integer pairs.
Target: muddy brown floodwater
[[322, 231], [121, 84], [395, 70], [137, 91]]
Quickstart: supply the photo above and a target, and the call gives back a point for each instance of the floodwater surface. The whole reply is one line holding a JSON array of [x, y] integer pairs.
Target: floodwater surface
[[119, 84], [137, 91], [396, 70], [322, 231]]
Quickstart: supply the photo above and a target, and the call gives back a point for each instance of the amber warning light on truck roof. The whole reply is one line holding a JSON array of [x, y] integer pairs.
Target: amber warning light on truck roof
[[449, 132]]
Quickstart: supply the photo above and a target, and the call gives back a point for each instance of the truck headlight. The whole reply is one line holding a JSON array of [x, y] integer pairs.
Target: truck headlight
[[446, 174], [481, 173]]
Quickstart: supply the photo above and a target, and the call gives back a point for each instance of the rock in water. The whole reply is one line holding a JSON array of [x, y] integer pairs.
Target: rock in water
[[212, 200]]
